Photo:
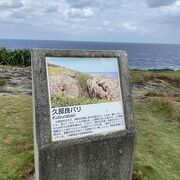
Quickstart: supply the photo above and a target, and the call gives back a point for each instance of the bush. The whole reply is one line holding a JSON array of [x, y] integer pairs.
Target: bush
[[15, 58], [82, 77]]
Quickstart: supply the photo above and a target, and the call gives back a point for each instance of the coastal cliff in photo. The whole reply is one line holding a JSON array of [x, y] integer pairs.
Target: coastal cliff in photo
[[72, 87]]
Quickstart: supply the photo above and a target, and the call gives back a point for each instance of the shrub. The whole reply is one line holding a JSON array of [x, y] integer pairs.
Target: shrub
[[15, 58], [82, 77]]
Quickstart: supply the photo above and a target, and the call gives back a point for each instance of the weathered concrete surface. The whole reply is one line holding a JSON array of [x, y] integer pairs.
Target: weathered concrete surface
[[104, 88], [100, 157], [109, 159]]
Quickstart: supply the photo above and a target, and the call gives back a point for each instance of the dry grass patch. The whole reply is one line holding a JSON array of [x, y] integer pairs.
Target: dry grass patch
[[168, 104]]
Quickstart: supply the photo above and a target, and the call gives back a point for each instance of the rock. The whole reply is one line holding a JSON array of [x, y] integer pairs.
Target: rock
[[104, 88], [15, 81], [66, 85]]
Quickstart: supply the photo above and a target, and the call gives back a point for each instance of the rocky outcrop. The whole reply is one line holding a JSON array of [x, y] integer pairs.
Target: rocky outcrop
[[15, 81], [104, 88], [65, 84]]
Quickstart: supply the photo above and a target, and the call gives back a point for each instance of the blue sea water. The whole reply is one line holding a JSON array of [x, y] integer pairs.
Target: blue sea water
[[140, 55], [107, 74]]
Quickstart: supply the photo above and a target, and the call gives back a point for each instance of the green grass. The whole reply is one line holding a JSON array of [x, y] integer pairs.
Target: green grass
[[16, 145], [62, 101], [157, 122], [158, 145], [157, 149], [168, 105], [143, 77], [54, 71]]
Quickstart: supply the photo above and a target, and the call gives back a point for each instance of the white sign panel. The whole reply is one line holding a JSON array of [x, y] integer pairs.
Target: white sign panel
[[85, 97], [78, 121]]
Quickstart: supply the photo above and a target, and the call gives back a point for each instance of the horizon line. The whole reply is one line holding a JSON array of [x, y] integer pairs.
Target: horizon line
[[92, 41]]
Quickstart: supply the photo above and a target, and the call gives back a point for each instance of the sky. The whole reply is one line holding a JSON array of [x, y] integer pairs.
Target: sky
[[86, 64], [153, 21]]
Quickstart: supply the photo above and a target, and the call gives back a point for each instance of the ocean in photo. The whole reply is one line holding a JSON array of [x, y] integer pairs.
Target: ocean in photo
[[106, 74]]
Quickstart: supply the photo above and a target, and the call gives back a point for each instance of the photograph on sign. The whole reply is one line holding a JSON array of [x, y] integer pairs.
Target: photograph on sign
[[85, 97]]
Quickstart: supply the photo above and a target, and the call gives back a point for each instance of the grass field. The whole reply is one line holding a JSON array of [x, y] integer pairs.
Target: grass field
[[158, 145], [16, 144], [157, 151], [157, 123]]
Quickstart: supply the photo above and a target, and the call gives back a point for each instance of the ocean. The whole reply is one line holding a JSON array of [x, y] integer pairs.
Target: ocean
[[106, 74], [140, 55]]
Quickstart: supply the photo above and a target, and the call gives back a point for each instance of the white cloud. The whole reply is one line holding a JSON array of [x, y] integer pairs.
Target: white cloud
[[159, 3], [171, 10], [51, 9], [80, 13], [106, 23], [133, 28], [130, 27], [80, 3], [84, 19], [11, 4]]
